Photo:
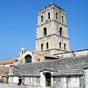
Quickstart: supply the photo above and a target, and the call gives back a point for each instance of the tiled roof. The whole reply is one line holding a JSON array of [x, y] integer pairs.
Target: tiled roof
[[12, 60], [8, 61], [65, 66], [39, 53], [44, 54]]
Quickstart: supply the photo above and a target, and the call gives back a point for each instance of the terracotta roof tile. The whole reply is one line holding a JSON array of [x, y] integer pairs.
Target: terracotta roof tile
[[8, 61], [44, 54]]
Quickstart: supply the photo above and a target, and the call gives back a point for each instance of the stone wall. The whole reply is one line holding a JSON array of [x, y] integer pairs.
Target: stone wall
[[32, 81], [26, 81], [72, 54], [66, 82], [56, 82], [37, 58], [3, 85], [56, 30], [86, 78]]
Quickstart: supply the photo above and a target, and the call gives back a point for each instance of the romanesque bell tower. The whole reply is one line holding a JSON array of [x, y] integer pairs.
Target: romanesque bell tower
[[52, 30]]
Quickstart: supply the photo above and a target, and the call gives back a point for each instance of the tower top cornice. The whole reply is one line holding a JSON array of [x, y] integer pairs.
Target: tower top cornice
[[51, 5]]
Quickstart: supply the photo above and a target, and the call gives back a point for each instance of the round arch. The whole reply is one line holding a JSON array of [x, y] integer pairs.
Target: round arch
[[28, 59]]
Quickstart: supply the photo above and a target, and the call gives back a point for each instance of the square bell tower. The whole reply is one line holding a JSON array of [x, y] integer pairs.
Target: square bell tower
[[52, 30]]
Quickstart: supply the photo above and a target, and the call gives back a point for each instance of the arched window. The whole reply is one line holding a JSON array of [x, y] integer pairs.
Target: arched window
[[56, 15], [45, 31], [64, 46], [41, 46], [60, 45], [47, 79], [62, 19], [60, 31], [47, 45], [28, 59], [41, 18], [48, 15], [22, 51]]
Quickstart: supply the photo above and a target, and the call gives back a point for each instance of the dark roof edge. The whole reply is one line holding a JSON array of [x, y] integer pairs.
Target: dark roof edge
[[50, 6]]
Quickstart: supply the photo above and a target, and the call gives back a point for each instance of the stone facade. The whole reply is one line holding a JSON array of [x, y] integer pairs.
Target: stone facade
[[52, 31], [57, 82], [72, 54], [66, 82], [86, 78]]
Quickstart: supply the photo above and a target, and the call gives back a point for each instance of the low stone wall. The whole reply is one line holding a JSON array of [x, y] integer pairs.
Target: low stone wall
[[66, 82], [79, 53], [3, 85]]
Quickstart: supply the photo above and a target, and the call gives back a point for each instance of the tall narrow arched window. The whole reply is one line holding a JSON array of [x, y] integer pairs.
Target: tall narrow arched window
[[45, 31], [60, 45], [64, 46], [41, 46], [60, 31], [47, 45], [62, 19], [41, 18], [56, 15], [48, 15], [28, 59]]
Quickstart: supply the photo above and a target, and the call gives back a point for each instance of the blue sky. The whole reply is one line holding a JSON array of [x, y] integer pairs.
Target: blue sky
[[18, 21]]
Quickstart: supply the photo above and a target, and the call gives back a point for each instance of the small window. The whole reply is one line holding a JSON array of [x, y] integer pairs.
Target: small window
[[62, 19], [56, 15], [49, 15], [38, 59], [60, 31], [41, 18], [64, 46], [60, 45], [41, 46], [22, 52], [45, 31], [47, 45]]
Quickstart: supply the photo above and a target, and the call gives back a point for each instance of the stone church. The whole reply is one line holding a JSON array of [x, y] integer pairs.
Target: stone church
[[52, 64]]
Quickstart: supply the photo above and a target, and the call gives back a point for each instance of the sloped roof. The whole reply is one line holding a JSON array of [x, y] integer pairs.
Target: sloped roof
[[8, 61], [12, 60], [66, 66], [44, 54]]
